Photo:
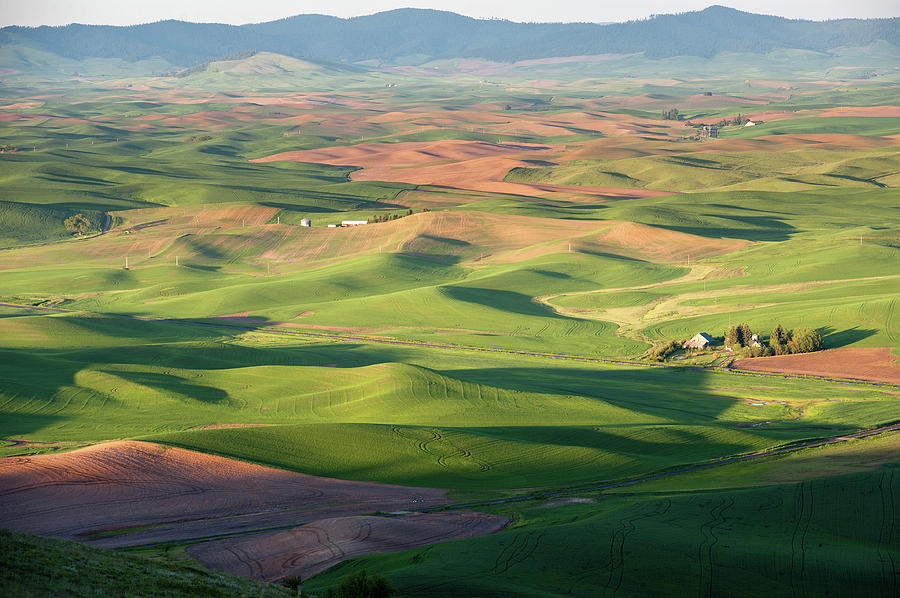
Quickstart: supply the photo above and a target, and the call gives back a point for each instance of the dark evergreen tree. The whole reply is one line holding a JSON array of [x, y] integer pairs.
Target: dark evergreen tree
[[731, 338]]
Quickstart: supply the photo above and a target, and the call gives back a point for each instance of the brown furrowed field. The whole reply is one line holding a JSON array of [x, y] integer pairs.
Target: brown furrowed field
[[133, 493], [316, 546], [877, 364]]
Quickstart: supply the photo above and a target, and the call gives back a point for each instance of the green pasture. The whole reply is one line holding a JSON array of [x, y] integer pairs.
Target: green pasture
[[401, 414], [793, 170], [25, 224], [475, 458], [811, 538], [828, 125]]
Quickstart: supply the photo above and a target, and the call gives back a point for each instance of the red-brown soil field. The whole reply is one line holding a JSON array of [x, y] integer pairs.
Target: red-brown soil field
[[178, 493], [312, 548], [875, 364]]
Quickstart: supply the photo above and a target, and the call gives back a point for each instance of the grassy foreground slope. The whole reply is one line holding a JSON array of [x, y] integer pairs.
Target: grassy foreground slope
[[816, 538], [32, 567]]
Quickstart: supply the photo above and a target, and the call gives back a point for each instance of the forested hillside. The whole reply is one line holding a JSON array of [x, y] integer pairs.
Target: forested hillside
[[410, 35]]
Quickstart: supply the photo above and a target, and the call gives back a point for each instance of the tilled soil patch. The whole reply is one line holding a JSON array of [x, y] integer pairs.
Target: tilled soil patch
[[312, 548], [876, 364], [130, 493]]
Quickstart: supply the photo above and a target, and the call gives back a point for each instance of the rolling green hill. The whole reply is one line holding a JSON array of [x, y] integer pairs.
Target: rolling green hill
[[794, 170]]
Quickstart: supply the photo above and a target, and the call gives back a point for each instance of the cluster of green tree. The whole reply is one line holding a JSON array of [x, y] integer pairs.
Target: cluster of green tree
[[361, 584], [737, 121], [798, 340], [388, 217], [781, 341], [672, 114], [439, 34], [197, 138], [661, 352], [78, 224]]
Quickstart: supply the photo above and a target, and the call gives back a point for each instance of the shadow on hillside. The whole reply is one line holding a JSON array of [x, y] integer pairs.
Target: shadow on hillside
[[175, 353], [587, 437], [299, 207], [13, 425], [833, 338], [755, 228], [677, 395], [613, 256], [509, 301], [174, 386]]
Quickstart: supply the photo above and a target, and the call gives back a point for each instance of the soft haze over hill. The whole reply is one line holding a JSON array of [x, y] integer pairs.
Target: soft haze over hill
[[408, 35]]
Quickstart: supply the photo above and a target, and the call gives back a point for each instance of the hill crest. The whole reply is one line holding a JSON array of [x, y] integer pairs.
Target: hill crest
[[396, 35]]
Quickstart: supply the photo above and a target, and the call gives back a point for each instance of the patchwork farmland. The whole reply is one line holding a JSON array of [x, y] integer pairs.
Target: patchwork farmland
[[214, 378]]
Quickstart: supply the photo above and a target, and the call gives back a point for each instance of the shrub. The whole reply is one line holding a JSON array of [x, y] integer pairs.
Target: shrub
[[662, 351], [362, 585], [77, 224], [293, 582], [761, 351]]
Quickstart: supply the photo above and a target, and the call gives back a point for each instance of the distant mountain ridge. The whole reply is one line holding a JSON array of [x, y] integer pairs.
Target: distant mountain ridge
[[418, 35]]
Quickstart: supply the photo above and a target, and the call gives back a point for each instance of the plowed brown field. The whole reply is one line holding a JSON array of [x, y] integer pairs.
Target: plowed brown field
[[312, 548], [875, 364], [177, 493]]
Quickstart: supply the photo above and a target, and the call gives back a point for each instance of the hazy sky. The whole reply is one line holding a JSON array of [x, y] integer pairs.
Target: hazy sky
[[127, 12]]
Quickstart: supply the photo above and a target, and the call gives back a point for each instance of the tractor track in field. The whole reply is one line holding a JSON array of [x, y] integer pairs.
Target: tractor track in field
[[267, 328], [710, 539], [885, 535], [617, 545], [803, 510]]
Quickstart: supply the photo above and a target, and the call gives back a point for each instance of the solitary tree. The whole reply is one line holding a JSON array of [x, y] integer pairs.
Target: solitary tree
[[731, 338], [78, 224]]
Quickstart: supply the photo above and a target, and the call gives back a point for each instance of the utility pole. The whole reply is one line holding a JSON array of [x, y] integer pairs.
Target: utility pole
[[126, 262]]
